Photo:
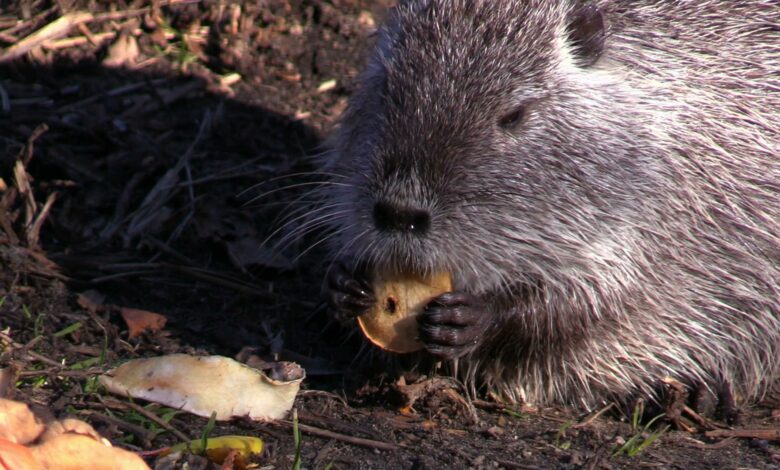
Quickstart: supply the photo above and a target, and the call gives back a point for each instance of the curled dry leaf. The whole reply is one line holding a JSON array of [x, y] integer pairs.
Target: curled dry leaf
[[17, 423], [391, 323], [70, 425], [138, 321], [76, 451], [123, 52], [64, 445], [15, 456], [202, 385]]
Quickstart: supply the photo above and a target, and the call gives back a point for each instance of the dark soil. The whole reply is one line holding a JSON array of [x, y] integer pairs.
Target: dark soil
[[172, 187]]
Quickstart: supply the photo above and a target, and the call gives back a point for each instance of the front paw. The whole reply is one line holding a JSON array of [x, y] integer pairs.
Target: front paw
[[351, 294], [453, 324]]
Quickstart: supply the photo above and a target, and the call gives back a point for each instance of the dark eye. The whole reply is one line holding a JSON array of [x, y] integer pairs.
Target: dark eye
[[513, 119]]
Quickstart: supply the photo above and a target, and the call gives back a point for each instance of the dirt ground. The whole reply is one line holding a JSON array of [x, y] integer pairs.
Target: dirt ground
[[159, 139]]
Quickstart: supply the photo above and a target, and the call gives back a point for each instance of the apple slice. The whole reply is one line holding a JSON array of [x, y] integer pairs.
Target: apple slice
[[391, 323]]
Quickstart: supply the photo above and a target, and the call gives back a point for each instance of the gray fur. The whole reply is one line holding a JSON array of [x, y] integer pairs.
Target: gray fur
[[627, 230]]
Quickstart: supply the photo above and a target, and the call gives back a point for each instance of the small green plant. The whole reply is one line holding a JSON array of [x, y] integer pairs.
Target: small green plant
[[561, 433], [298, 440], [68, 330], [27, 313], [86, 363], [515, 414], [38, 325], [638, 442], [204, 437]]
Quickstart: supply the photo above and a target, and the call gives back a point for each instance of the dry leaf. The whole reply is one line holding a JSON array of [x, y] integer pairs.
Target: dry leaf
[[17, 423], [202, 385], [76, 451], [70, 425], [123, 52], [15, 456], [139, 321]]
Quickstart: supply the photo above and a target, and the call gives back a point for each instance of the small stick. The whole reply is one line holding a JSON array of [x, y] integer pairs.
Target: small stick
[[593, 417], [34, 21], [358, 441], [32, 354], [58, 372], [95, 40], [766, 434], [699, 419], [34, 232], [54, 30]]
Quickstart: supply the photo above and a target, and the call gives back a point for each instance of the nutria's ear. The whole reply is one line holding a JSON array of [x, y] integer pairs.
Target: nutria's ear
[[587, 32]]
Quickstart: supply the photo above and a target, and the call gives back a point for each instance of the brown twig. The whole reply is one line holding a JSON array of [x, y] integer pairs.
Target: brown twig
[[34, 231], [54, 30], [766, 434], [59, 372], [358, 441], [31, 354], [593, 417], [522, 466], [703, 422], [94, 39], [39, 18]]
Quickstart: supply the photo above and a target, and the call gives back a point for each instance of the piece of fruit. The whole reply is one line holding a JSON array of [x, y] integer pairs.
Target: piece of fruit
[[391, 323], [218, 448]]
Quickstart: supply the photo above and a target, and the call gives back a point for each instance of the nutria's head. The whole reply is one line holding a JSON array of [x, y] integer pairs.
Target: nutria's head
[[489, 139]]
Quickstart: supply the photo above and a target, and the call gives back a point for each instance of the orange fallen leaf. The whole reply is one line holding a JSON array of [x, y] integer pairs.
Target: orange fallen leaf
[[429, 425], [76, 451], [64, 445], [15, 456], [139, 321], [17, 423], [73, 426]]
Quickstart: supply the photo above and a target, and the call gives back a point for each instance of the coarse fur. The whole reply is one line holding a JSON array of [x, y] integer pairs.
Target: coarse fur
[[626, 228]]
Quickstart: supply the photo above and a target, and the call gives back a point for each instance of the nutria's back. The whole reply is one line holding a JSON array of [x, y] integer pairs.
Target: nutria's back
[[602, 179]]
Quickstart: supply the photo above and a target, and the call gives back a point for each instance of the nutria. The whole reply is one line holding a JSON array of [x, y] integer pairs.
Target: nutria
[[601, 179]]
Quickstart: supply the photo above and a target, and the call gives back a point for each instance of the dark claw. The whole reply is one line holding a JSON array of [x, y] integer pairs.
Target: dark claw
[[453, 324], [350, 292], [718, 404], [727, 404]]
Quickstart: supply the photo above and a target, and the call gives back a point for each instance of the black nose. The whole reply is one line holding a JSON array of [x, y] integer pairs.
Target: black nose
[[389, 218]]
